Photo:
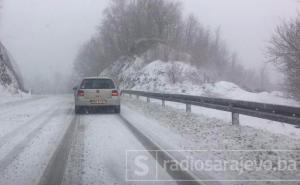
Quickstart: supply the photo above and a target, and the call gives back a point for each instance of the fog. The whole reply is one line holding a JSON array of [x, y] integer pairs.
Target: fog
[[246, 25], [44, 35]]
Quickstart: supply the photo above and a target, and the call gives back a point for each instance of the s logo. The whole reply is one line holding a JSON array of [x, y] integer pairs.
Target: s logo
[[140, 162]]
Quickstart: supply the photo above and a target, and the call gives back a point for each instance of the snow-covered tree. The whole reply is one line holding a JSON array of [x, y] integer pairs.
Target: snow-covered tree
[[156, 30], [284, 50]]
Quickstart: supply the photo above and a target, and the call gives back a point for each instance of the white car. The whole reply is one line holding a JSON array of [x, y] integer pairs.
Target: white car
[[96, 92]]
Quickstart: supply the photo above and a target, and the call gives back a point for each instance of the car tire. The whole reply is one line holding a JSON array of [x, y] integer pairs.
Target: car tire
[[118, 109], [77, 110]]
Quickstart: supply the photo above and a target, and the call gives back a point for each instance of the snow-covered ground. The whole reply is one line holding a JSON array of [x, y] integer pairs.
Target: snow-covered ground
[[214, 138], [225, 117]]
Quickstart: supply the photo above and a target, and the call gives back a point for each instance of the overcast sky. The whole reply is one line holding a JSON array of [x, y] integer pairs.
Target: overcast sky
[[44, 35]]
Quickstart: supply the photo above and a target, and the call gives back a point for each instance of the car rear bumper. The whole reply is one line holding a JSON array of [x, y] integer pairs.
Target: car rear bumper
[[83, 102]]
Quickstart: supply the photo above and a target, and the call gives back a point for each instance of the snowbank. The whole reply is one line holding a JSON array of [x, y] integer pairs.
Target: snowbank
[[11, 93], [180, 77], [232, 91]]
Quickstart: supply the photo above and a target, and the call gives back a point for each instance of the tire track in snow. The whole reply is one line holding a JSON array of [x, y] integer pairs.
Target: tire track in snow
[[70, 151], [74, 169], [23, 106], [55, 169], [20, 102], [181, 176], [4, 139], [17, 150]]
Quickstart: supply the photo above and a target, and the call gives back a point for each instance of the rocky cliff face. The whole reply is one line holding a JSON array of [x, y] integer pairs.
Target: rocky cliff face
[[10, 77]]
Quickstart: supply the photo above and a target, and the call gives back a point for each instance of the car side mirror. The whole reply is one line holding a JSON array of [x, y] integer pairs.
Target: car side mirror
[[75, 88]]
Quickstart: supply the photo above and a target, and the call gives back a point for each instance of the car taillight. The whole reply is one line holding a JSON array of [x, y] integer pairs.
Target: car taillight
[[114, 93], [80, 93]]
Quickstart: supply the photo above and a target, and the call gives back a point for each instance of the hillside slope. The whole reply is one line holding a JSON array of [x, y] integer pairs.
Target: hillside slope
[[10, 79], [180, 77]]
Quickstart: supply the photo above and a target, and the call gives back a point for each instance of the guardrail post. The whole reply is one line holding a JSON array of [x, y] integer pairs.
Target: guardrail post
[[163, 103], [188, 108], [235, 118], [148, 100]]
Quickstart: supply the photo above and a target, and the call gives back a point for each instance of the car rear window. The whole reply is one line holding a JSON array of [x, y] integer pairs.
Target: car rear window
[[97, 84]]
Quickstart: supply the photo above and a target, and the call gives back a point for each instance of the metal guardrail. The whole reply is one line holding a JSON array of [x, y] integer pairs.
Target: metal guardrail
[[281, 113]]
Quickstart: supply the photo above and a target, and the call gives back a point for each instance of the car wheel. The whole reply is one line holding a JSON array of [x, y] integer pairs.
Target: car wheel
[[118, 109], [77, 110]]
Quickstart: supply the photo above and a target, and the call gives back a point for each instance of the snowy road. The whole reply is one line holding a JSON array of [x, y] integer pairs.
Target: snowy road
[[43, 142]]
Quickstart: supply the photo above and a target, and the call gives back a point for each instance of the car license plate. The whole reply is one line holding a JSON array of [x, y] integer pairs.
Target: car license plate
[[98, 101]]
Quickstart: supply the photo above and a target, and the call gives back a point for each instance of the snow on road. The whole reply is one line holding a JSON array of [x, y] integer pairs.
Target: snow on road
[[15, 116], [106, 142], [32, 131]]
